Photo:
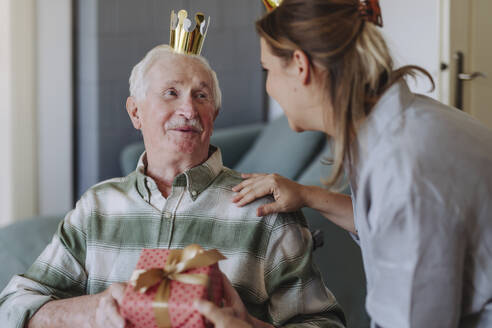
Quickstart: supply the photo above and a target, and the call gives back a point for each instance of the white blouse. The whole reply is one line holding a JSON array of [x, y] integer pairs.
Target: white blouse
[[421, 184]]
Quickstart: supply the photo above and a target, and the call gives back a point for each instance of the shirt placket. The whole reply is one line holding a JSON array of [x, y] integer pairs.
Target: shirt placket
[[169, 213]]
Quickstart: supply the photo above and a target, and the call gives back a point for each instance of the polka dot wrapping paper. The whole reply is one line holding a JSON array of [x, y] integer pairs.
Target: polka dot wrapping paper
[[137, 309]]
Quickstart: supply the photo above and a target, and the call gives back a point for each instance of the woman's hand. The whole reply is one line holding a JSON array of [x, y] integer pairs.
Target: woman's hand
[[288, 194], [233, 314]]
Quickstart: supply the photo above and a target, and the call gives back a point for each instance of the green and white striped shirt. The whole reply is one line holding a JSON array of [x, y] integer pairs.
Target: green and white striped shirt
[[98, 243]]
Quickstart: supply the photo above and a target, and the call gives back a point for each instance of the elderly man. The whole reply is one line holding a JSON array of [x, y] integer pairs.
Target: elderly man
[[179, 194]]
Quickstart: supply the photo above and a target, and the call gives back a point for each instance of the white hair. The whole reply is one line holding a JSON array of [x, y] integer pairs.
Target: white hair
[[138, 83]]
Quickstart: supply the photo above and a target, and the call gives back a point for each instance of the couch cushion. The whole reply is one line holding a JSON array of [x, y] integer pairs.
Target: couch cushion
[[235, 141], [129, 157], [22, 242], [280, 150], [318, 170]]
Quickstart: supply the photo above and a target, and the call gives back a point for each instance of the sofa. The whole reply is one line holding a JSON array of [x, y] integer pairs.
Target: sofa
[[270, 147]]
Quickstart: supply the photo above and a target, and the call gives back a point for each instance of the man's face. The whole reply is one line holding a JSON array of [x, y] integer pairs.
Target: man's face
[[178, 111]]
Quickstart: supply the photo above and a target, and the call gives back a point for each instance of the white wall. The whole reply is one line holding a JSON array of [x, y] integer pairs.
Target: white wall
[[412, 31], [18, 185], [36, 108], [5, 114], [54, 62]]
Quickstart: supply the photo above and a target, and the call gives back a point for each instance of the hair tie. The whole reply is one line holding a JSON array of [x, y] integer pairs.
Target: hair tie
[[370, 11]]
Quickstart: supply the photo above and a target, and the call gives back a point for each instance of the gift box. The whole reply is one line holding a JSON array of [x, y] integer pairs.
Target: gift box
[[165, 284]]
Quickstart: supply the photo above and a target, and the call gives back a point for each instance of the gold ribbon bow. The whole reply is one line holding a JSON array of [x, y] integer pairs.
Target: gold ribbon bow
[[178, 261]]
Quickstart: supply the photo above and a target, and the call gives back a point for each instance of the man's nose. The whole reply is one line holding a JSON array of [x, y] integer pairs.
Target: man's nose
[[187, 107]]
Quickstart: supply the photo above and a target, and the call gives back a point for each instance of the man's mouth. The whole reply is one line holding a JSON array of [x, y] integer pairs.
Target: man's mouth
[[186, 129]]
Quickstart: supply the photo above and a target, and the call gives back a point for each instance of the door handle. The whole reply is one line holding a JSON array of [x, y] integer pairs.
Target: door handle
[[472, 76], [462, 77]]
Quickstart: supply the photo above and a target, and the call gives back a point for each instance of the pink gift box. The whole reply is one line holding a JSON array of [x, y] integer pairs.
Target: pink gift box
[[137, 309]]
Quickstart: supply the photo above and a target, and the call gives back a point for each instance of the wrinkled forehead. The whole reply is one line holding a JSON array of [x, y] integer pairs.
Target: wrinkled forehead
[[188, 70]]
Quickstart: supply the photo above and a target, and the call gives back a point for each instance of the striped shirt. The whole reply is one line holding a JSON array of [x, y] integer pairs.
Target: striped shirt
[[269, 259]]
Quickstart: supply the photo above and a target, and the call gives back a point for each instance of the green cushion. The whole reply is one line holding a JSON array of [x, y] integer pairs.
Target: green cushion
[[129, 157], [22, 242], [280, 150], [234, 142], [318, 170]]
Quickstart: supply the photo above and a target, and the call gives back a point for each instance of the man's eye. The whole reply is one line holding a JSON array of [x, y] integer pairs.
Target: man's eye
[[170, 92], [202, 95]]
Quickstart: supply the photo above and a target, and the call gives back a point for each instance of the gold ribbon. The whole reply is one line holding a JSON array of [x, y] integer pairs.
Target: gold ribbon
[[178, 261]]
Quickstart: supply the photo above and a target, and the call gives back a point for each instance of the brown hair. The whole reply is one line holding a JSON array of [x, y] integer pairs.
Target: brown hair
[[334, 36]]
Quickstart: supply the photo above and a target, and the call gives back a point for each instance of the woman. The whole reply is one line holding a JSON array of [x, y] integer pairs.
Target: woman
[[420, 172]]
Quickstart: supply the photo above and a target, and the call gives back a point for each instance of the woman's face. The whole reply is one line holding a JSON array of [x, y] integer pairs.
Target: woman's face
[[280, 85], [287, 86]]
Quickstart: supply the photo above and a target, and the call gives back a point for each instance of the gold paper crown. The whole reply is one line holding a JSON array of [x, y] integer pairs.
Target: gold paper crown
[[271, 4], [185, 38]]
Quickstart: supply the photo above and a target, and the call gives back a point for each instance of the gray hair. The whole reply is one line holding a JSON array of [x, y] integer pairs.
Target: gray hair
[[138, 83]]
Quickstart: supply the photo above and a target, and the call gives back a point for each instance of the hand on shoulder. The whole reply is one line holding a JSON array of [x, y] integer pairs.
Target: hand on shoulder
[[288, 195]]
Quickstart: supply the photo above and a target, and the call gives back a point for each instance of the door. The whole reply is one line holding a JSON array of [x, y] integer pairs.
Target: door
[[470, 41]]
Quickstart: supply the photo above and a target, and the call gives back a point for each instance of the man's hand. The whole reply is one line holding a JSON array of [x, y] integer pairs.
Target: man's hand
[[233, 315], [220, 317], [107, 312], [94, 311]]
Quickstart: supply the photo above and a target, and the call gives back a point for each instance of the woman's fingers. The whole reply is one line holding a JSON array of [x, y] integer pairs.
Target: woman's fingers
[[285, 192], [253, 190], [252, 175], [249, 194], [249, 179]]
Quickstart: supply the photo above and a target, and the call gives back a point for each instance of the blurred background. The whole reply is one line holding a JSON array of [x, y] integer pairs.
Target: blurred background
[[64, 68]]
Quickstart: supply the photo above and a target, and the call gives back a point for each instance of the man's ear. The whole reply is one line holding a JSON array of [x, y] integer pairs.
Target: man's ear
[[216, 113], [302, 66], [133, 112]]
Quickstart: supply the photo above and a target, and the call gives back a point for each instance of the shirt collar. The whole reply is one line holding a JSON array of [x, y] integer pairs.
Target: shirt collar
[[384, 117], [196, 179]]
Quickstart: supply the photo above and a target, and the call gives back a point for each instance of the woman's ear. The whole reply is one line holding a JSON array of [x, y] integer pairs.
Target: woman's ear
[[133, 112], [302, 66]]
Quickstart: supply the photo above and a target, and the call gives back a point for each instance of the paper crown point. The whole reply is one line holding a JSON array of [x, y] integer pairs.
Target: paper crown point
[[271, 4], [184, 37]]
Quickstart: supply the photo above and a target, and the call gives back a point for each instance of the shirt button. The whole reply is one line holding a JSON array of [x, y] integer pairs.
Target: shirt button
[[194, 193], [167, 215]]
